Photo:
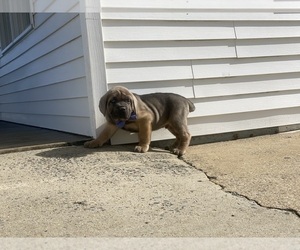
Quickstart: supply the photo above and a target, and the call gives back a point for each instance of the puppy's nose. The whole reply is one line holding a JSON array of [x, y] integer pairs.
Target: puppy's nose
[[122, 108]]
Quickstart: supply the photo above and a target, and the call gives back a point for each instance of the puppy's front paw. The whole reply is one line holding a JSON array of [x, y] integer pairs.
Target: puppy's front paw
[[91, 144], [141, 149]]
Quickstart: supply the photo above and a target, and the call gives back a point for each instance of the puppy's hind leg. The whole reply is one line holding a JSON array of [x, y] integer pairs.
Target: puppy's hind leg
[[177, 141], [183, 138]]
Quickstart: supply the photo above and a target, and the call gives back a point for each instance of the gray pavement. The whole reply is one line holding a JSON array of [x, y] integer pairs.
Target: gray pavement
[[243, 188], [265, 169]]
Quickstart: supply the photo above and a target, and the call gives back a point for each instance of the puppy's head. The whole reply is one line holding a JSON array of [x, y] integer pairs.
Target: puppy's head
[[117, 104]]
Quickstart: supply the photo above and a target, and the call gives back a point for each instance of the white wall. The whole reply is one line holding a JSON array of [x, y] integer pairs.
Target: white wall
[[42, 79], [238, 61], [56, 6]]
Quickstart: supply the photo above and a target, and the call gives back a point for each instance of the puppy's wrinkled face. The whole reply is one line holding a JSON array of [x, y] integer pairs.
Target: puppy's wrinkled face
[[120, 106]]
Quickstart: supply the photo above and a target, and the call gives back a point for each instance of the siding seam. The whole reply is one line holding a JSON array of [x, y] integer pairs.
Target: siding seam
[[193, 78], [235, 40]]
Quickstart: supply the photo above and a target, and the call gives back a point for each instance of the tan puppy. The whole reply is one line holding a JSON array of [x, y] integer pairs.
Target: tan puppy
[[142, 114]]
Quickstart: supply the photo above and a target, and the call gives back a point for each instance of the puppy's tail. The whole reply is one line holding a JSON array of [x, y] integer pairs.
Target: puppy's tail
[[191, 106]]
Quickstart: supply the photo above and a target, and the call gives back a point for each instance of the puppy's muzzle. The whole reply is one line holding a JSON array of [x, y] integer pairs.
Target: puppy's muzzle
[[120, 112]]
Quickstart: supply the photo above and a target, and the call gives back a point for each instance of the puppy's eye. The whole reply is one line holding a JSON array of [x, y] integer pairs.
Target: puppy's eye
[[127, 100], [113, 101]]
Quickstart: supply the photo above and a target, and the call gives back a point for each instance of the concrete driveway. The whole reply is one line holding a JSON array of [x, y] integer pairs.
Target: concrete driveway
[[263, 169], [251, 190]]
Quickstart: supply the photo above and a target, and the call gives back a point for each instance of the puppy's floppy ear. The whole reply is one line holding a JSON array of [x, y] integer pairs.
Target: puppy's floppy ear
[[134, 103], [103, 103]]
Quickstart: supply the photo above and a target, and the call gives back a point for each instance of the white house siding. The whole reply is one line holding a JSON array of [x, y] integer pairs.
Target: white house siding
[[238, 61], [42, 79], [54, 6]]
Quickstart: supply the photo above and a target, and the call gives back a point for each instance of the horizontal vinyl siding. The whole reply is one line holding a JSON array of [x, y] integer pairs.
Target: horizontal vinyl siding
[[117, 30], [268, 47], [238, 61], [201, 10], [169, 50], [56, 6], [42, 79]]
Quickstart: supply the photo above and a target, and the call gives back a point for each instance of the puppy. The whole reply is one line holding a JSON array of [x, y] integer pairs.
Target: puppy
[[142, 114]]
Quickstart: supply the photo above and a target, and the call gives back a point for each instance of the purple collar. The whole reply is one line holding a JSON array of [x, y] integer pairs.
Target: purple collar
[[121, 124]]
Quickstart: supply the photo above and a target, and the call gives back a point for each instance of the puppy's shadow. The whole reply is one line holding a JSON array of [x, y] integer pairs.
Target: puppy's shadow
[[78, 151]]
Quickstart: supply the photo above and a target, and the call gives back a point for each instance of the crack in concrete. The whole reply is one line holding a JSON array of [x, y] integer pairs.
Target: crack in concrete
[[288, 210], [214, 178]]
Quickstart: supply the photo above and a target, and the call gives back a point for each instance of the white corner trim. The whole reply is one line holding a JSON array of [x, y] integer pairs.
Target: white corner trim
[[94, 62]]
